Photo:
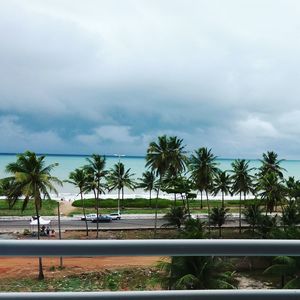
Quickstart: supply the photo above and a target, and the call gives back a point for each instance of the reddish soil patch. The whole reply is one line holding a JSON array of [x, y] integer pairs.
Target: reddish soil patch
[[20, 267]]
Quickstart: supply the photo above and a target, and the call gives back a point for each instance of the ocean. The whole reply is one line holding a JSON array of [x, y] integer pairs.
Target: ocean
[[67, 163]]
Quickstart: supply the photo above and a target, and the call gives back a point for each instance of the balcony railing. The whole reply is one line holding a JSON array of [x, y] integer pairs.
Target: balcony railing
[[154, 248]]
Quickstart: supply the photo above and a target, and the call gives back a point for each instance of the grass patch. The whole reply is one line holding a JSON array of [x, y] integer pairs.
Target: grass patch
[[141, 206], [49, 208], [161, 203], [132, 203], [108, 280]]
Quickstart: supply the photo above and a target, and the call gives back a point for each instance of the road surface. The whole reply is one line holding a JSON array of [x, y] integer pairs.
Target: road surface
[[20, 225], [71, 224]]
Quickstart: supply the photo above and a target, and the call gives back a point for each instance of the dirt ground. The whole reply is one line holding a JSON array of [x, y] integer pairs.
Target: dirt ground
[[66, 208], [20, 267]]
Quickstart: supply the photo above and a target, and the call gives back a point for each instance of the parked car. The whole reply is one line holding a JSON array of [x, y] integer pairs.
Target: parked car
[[89, 217], [115, 216], [102, 218]]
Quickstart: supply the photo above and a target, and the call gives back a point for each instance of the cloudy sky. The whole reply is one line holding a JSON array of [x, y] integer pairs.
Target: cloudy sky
[[85, 76]]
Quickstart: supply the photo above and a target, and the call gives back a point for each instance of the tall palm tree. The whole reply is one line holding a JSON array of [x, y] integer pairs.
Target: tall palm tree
[[271, 190], [222, 183], [118, 178], [165, 155], [79, 178], [203, 168], [271, 163], [177, 154], [33, 178], [96, 171], [242, 182], [148, 183]]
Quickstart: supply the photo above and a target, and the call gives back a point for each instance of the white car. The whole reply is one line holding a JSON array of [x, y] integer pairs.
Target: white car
[[115, 216], [89, 217]]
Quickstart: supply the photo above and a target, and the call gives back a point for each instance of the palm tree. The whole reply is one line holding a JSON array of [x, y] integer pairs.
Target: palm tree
[[193, 229], [178, 157], [270, 163], [292, 188], [148, 183], [203, 168], [242, 182], [79, 178], [33, 178], [165, 155], [252, 214], [290, 215], [11, 190], [222, 183], [96, 172], [218, 217], [271, 190], [175, 216], [286, 267], [266, 226], [118, 178], [195, 273]]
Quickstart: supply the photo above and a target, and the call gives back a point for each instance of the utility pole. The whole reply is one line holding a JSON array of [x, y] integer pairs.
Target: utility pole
[[59, 233]]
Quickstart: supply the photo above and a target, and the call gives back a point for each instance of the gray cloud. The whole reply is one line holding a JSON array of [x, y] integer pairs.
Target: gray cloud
[[80, 75]]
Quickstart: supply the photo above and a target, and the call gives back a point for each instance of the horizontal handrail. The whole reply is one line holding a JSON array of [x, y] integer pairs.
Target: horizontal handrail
[[164, 295], [83, 248], [149, 247]]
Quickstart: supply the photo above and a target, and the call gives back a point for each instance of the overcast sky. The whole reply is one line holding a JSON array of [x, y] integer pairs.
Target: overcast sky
[[108, 77]]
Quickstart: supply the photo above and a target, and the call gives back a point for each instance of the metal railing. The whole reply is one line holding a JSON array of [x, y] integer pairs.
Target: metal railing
[[154, 248]]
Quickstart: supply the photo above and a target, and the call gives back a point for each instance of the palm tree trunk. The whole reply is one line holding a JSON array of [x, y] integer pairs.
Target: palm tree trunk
[[97, 210], [123, 198], [188, 206], [41, 273], [155, 217], [220, 231], [183, 201], [240, 214], [119, 200], [59, 234], [201, 200], [150, 198], [208, 211], [84, 214], [223, 204]]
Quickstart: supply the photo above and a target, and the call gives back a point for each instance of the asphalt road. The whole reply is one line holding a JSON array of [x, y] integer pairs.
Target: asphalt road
[[20, 225]]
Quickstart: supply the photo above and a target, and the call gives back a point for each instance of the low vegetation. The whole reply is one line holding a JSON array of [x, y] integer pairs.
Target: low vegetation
[[107, 280], [49, 208]]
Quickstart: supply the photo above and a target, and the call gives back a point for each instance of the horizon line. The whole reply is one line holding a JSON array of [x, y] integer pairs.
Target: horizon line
[[121, 155]]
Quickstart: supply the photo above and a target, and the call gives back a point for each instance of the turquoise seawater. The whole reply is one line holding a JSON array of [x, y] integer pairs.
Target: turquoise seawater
[[68, 163]]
